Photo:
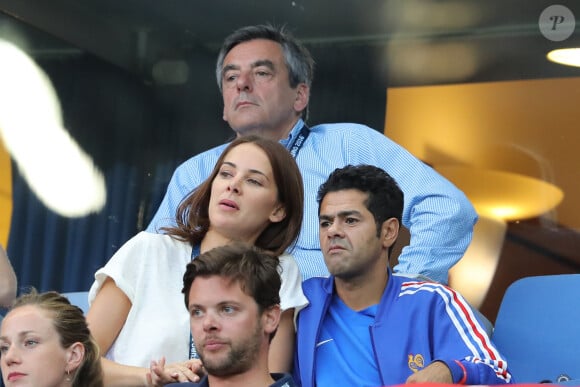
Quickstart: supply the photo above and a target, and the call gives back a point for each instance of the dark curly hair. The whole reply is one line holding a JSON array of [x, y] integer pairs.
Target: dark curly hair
[[385, 198]]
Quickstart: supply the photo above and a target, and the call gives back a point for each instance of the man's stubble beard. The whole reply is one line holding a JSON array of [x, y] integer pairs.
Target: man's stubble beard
[[239, 359]]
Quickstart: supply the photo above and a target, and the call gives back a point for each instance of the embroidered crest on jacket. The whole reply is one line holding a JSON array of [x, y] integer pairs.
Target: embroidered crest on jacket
[[416, 363]]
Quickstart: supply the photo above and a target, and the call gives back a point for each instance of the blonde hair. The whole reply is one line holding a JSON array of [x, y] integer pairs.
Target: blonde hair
[[71, 326]]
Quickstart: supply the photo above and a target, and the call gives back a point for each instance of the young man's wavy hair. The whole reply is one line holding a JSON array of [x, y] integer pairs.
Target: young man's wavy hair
[[255, 270]]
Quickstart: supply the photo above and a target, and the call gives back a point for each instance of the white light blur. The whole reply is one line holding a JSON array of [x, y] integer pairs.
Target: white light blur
[[57, 170], [565, 56]]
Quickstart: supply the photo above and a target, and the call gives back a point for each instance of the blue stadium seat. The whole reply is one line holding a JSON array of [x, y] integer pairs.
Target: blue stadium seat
[[538, 329], [80, 299]]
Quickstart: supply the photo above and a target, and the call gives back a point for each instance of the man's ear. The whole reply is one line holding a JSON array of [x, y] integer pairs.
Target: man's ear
[[75, 356], [271, 318], [302, 97], [278, 214], [389, 232]]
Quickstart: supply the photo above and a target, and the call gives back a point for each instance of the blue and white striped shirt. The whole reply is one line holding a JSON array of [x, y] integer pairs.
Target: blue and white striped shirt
[[438, 215]]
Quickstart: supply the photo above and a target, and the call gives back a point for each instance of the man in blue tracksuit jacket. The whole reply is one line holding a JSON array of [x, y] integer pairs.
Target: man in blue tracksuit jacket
[[366, 327]]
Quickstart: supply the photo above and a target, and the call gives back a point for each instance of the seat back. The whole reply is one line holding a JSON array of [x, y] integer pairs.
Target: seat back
[[80, 299], [538, 328]]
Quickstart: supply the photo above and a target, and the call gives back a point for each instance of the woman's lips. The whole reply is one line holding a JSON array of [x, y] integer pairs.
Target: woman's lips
[[15, 375], [229, 203]]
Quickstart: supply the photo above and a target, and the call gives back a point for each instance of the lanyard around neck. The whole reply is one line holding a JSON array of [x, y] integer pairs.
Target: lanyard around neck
[[195, 250], [296, 145]]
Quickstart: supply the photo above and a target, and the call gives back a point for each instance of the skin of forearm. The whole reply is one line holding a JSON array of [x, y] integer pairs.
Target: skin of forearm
[[8, 282]]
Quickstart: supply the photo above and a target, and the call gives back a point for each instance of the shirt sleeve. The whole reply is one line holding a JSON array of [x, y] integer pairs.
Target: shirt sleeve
[[463, 345], [291, 294], [438, 215], [121, 268]]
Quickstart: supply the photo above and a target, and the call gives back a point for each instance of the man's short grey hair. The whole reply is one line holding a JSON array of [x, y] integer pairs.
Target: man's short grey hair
[[298, 59]]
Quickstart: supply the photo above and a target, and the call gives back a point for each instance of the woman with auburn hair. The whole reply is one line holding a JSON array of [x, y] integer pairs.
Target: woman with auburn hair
[[253, 195], [45, 342]]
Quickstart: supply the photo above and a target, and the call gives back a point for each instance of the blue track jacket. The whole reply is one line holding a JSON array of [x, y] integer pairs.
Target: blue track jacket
[[417, 323]]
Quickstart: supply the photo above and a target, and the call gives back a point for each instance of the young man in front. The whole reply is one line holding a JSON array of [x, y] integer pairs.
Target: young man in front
[[232, 295]]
